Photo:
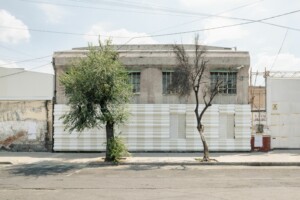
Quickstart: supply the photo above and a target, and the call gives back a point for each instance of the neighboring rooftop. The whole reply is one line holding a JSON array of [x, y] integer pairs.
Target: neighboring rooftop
[[159, 47]]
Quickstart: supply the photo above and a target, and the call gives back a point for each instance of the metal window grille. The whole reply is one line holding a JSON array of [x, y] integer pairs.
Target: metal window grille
[[228, 80], [135, 79], [167, 80]]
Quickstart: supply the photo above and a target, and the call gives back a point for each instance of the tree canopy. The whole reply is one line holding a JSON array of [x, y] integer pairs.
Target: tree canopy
[[97, 89]]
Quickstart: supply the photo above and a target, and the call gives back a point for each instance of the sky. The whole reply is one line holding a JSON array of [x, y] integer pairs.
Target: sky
[[32, 30]]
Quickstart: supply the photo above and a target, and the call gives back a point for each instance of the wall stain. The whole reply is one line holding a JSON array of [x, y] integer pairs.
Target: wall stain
[[16, 118], [11, 139]]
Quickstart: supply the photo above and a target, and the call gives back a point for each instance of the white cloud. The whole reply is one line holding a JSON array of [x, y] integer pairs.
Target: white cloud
[[53, 13], [119, 36], [8, 35], [284, 62], [217, 35]]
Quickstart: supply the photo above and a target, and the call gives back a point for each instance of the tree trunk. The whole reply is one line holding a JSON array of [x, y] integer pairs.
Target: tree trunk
[[109, 135], [205, 146]]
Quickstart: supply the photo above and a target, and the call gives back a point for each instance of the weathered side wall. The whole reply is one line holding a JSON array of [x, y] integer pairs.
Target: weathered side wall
[[259, 118], [26, 125]]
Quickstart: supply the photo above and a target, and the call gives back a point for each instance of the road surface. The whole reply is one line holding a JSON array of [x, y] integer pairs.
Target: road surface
[[51, 181]]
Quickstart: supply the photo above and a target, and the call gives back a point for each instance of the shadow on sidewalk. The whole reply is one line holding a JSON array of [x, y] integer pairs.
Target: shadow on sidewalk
[[291, 152]]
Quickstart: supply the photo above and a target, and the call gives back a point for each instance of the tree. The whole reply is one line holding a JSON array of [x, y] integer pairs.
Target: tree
[[98, 89], [189, 76]]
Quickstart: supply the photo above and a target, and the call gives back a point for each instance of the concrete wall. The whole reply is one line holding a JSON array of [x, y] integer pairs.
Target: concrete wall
[[25, 110], [257, 98], [26, 125], [283, 112], [152, 60]]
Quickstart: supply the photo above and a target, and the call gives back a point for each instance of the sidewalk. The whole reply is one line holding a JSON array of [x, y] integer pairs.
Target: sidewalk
[[272, 158]]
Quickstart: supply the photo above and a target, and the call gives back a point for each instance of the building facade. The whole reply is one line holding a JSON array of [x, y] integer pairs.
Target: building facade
[[160, 120]]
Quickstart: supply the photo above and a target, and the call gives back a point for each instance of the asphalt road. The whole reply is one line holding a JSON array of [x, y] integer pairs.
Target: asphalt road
[[80, 181]]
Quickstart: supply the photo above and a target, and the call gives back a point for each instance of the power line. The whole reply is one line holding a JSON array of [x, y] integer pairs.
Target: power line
[[58, 32], [279, 49], [164, 9], [126, 3], [220, 27], [226, 11], [12, 74], [167, 34], [110, 9], [28, 60], [15, 51], [208, 29]]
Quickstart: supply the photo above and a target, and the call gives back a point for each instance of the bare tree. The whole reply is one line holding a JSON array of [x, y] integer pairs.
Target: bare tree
[[190, 76]]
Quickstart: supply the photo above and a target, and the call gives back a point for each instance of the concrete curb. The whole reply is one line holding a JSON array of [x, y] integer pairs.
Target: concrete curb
[[199, 164], [99, 163], [5, 163]]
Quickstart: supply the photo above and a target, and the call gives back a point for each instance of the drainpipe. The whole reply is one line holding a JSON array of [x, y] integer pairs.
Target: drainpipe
[[53, 102]]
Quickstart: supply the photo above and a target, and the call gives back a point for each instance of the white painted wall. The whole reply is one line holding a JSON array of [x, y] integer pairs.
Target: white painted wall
[[283, 112], [17, 84], [165, 127]]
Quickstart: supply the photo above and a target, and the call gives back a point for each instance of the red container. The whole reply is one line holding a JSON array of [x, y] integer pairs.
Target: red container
[[266, 144]]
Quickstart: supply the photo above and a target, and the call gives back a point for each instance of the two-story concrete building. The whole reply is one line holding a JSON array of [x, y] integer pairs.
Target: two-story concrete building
[[160, 120]]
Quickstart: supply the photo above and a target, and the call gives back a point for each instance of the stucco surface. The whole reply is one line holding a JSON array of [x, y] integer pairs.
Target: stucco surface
[[25, 125]]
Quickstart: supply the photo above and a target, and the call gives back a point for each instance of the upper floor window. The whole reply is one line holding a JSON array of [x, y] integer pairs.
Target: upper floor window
[[166, 82], [228, 81], [135, 80]]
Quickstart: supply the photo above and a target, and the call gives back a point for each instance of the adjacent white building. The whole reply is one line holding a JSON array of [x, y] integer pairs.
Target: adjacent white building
[[283, 109]]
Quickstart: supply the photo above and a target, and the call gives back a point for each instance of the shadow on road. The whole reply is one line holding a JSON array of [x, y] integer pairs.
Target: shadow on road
[[44, 168], [143, 167]]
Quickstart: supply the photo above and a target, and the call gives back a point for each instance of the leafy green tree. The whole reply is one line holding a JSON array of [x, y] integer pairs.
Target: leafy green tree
[[98, 90]]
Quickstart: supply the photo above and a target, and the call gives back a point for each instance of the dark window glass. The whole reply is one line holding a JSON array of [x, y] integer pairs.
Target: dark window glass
[[228, 79], [166, 82], [134, 78]]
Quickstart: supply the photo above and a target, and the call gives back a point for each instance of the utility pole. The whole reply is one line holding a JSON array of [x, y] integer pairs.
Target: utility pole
[[265, 76]]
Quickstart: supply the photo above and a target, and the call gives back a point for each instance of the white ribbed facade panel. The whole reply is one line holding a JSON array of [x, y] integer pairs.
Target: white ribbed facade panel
[[165, 127]]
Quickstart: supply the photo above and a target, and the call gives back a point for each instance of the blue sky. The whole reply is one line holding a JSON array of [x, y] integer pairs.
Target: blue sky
[[26, 27]]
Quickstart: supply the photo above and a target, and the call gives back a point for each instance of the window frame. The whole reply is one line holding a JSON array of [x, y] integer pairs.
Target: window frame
[[136, 83], [166, 82], [229, 85]]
